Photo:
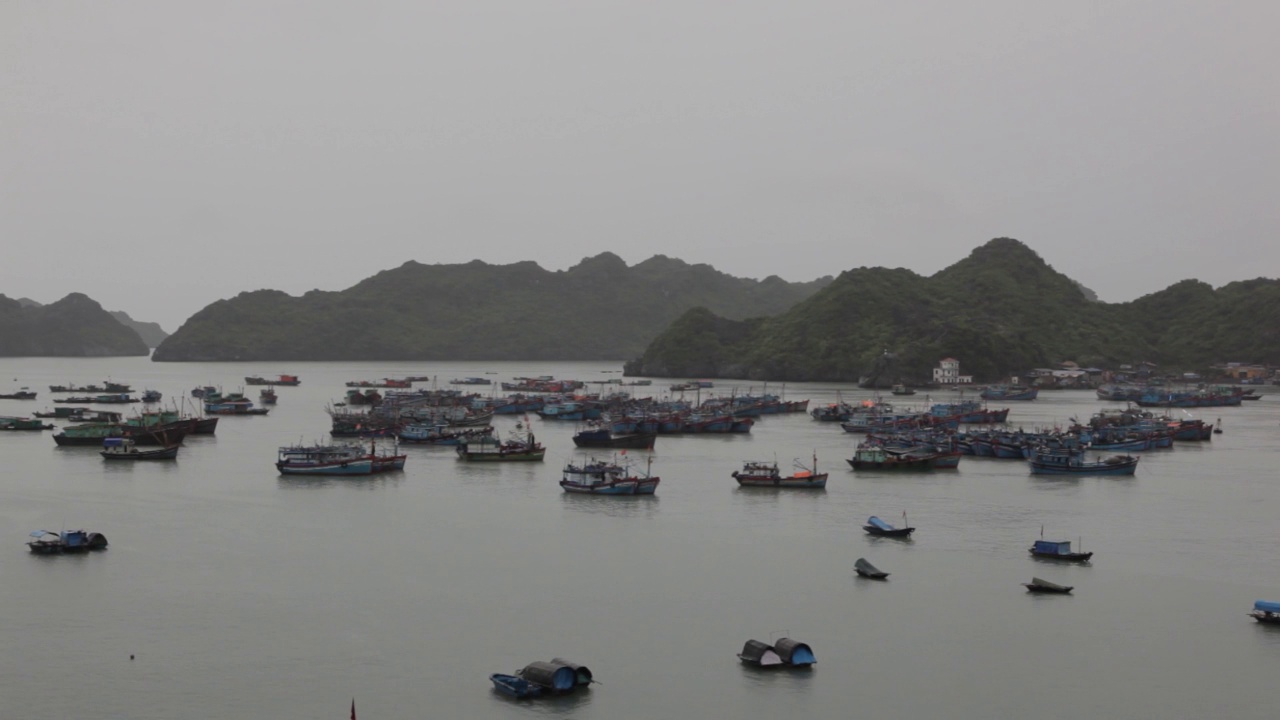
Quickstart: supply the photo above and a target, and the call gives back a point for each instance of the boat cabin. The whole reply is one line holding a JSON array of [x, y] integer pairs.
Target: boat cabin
[[1052, 547], [550, 675]]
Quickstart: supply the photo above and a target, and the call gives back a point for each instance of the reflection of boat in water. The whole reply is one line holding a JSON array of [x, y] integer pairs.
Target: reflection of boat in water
[[867, 570]]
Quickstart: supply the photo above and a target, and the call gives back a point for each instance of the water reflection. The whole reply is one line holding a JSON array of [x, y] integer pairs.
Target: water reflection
[[363, 482], [612, 505], [552, 705]]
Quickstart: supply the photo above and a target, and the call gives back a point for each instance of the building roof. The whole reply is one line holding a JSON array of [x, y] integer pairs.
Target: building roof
[[948, 360]]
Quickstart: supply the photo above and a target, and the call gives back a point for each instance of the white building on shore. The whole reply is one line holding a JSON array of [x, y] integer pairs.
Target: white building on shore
[[948, 373]]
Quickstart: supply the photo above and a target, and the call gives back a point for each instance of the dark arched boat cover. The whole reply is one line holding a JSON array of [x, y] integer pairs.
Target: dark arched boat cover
[[759, 653], [582, 673], [561, 678], [794, 652]]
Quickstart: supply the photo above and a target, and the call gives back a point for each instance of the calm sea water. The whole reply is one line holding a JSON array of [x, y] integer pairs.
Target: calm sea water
[[245, 594]]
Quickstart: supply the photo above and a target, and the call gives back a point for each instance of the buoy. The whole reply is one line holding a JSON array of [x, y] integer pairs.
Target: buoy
[[131, 657]]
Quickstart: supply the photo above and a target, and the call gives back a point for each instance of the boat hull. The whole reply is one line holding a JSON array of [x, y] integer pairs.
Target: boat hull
[[811, 482], [362, 466], [168, 453], [1061, 557]]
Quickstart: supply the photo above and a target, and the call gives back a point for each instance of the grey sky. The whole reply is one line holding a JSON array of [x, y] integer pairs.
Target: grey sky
[[161, 155]]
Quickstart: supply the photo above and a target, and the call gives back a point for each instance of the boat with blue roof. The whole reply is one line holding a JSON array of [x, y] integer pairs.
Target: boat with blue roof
[[1058, 550], [48, 542], [1266, 611]]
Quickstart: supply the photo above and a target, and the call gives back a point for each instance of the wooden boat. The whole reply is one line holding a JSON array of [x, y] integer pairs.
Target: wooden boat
[[876, 526], [1058, 550], [1010, 392], [1266, 611], [267, 396], [48, 542], [127, 449], [115, 399], [515, 686], [489, 449], [867, 570], [19, 395], [605, 438], [18, 424], [765, 474], [784, 652], [151, 396], [875, 457], [1073, 462], [1044, 586], [441, 434], [287, 380], [106, 387], [345, 459], [602, 478], [94, 433]]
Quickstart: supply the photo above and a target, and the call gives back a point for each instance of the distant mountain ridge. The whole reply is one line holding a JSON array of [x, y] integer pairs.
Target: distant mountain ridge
[[151, 333], [1002, 310], [75, 326], [599, 309]]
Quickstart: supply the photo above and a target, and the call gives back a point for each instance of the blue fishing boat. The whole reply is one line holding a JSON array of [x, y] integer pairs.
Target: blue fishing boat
[[1073, 462], [324, 460], [47, 542], [1058, 550], [1265, 611], [516, 687], [1010, 392], [876, 526]]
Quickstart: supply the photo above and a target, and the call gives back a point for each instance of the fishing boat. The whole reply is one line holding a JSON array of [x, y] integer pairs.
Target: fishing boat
[[267, 396], [151, 396], [784, 652], [1266, 611], [1010, 392], [1044, 586], [287, 380], [877, 457], [515, 449], [47, 542], [605, 438], [1058, 550], [441, 434], [94, 433], [114, 399], [869, 571], [515, 686], [765, 474], [607, 478], [1069, 461], [18, 424], [233, 404], [126, 449], [471, 381], [902, 390], [876, 526], [22, 394], [323, 460]]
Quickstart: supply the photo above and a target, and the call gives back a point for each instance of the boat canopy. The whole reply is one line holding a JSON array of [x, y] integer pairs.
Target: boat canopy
[[759, 653], [880, 524], [1057, 547], [867, 567], [42, 533], [552, 675], [1267, 606], [112, 442], [794, 652], [583, 673]]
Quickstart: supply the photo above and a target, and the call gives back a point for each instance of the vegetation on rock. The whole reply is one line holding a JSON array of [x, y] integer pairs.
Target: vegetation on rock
[[1000, 311], [74, 326], [600, 309]]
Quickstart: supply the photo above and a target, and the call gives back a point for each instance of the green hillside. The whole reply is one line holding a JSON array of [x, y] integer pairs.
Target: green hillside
[[600, 309], [74, 326], [1000, 311]]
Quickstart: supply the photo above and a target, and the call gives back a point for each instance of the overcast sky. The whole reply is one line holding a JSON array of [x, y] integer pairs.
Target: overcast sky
[[158, 156]]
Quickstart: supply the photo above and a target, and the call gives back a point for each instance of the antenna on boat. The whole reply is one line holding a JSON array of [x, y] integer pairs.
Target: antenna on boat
[[1041, 531]]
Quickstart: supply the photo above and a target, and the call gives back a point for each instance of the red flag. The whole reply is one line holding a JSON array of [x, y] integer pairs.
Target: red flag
[[624, 452], [353, 709]]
